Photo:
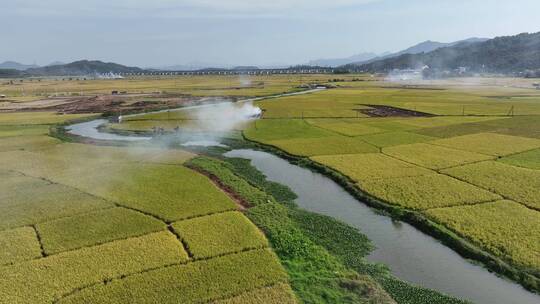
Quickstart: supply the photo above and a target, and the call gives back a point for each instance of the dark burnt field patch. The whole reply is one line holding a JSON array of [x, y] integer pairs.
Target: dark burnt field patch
[[388, 111]]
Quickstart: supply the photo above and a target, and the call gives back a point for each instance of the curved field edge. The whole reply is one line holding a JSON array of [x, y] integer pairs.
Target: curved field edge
[[449, 238]]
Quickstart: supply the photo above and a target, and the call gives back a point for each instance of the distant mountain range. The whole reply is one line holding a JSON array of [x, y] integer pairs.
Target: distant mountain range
[[499, 55], [423, 47], [430, 46], [509, 54], [334, 62], [82, 67], [12, 65]]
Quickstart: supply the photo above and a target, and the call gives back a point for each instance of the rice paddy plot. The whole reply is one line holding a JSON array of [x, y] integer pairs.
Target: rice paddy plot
[[368, 166], [390, 139], [529, 159], [197, 282], [47, 279], [168, 192], [430, 122], [526, 126], [45, 203], [13, 183], [219, 234], [95, 228], [390, 124], [427, 191], [505, 228], [38, 118], [278, 294], [434, 157], [319, 104], [265, 130], [518, 184], [27, 143], [75, 153], [47, 164], [490, 143], [345, 127], [324, 146], [18, 245], [27, 130]]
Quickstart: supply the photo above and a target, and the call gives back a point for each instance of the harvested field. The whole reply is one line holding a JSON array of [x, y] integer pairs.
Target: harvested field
[[389, 111]]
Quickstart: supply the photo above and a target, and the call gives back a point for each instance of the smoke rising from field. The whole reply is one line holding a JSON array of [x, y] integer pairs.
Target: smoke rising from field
[[245, 80], [225, 116], [209, 124]]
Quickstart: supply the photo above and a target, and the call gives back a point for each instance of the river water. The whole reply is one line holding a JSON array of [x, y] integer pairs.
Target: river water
[[412, 255]]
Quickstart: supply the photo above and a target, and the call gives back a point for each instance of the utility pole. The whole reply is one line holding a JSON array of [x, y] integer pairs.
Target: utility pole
[[511, 112]]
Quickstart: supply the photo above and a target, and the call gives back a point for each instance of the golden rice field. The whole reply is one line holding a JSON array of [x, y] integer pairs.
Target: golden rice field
[[449, 166], [76, 230], [505, 227], [86, 224]]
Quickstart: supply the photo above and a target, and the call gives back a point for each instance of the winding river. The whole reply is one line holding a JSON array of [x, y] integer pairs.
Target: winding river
[[412, 255]]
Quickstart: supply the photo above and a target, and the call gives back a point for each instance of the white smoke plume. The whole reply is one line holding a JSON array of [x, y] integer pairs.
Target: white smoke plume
[[209, 124], [245, 80], [224, 117]]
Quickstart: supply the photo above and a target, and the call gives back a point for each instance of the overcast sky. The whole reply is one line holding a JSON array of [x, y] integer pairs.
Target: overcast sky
[[244, 32]]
